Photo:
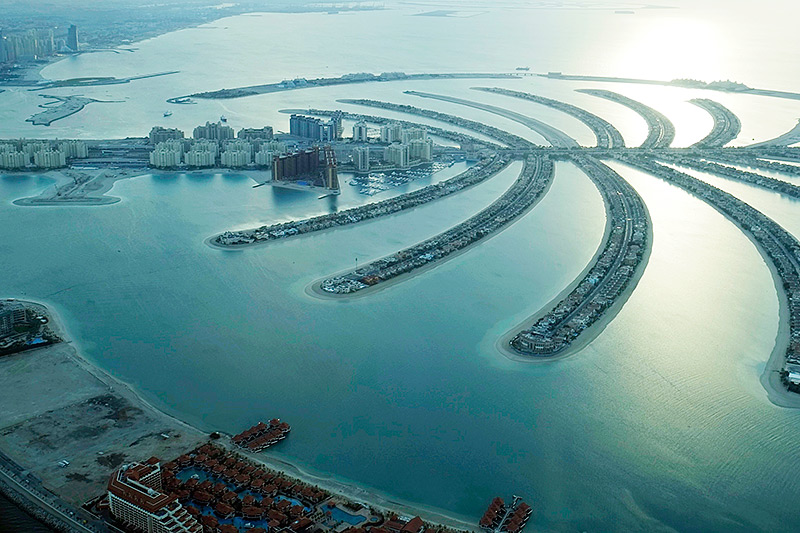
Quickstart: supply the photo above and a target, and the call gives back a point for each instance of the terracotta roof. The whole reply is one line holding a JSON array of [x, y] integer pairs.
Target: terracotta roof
[[415, 525]]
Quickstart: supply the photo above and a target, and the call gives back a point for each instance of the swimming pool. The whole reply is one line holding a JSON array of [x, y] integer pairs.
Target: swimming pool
[[342, 516]]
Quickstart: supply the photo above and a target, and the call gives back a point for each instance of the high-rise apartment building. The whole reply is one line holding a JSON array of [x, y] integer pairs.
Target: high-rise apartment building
[[360, 132], [397, 154], [136, 499], [215, 131], [72, 37], [159, 134], [391, 132], [361, 158]]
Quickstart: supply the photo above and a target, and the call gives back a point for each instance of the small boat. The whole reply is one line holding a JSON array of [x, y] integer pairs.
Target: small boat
[[167, 113], [223, 118]]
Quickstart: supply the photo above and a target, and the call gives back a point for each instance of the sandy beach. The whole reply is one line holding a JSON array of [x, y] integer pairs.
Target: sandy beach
[[75, 411]]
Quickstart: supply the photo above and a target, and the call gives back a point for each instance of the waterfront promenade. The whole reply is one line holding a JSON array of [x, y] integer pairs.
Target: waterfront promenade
[[661, 131], [727, 125], [608, 136]]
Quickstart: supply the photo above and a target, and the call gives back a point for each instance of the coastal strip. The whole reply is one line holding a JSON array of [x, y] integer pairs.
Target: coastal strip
[[780, 250], [578, 316], [69, 106], [472, 176], [59, 450], [661, 132], [721, 86], [608, 136], [534, 180], [751, 178], [509, 139], [790, 137], [94, 82], [80, 187], [727, 125], [364, 77], [554, 136]]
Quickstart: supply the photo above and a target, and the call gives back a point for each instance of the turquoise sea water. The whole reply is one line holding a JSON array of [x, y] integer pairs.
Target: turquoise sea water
[[660, 424]]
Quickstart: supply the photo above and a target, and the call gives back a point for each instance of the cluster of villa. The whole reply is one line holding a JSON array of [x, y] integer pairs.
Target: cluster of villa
[[661, 131], [22, 154], [261, 436], [213, 490], [607, 135], [214, 145], [780, 246], [725, 171], [755, 159], [533, 181], [727, 125], [622, 253], [472, 176]]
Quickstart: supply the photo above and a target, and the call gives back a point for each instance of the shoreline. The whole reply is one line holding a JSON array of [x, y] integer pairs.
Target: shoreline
[[94, 192], [314, 289], [591, 333], [777, 394], [337, 487]]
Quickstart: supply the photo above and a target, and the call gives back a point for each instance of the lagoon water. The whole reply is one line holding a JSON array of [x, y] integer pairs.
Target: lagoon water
[[660, 424]]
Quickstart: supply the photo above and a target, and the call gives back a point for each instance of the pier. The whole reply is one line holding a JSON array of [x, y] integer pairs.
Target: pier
[[661, 130], [727, 125], [608, 136]]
